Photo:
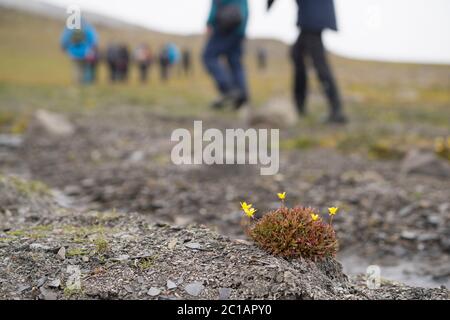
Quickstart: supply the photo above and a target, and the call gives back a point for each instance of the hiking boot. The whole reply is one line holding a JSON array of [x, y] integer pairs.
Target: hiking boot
[[336, 119], [220, 103], [239, 102]]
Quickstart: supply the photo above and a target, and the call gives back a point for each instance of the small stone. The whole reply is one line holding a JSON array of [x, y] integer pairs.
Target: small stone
[[434, 220], [428, 237], [141, 280], [48, 294], [194, 288], [10, 141], [224, 293], [193, 245], [136, 156], [22, 288], [408, 235], [54, 284], [39, 247], [128, 288], [85, 259], [62, 253], [172, 243], [171, 285], [153, 292], [121, 258], [406, 210], [41, 282], [280, 277]]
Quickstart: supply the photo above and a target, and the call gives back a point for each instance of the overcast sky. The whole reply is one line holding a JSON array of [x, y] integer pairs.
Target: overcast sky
[[396, 30]]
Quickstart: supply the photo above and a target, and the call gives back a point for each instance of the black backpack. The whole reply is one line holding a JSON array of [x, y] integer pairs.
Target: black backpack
[[229, 17]]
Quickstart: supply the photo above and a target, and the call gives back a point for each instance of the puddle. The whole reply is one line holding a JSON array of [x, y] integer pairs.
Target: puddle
[[412, 273]]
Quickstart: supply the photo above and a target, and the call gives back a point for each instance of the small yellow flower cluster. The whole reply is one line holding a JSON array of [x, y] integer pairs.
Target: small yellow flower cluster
[[440, 144], [281, 196], [442, 147], [250, 211]]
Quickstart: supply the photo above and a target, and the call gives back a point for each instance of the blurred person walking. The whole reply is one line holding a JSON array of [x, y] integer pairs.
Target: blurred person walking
[[186, 61], [143, 58], [173, 53], [164, 64], [261, 58], [226, 28], [112, 57], [123, 61], [92, 60], [314, 16], [81, 46]]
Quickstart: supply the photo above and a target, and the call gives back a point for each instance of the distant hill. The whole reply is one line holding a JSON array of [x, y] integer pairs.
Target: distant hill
[[37, 8]]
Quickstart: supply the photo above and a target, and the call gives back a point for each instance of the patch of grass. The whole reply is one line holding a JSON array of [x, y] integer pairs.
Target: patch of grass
[[70, 293], [386, 149], [300, 143], [101, 245], [16, 233], [77, 252], [144, 263], [27, 187]]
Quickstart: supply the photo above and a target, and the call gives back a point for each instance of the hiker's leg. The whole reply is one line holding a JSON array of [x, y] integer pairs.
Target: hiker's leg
[[215, 48], [238, 76], [300, 85], [319, 58], [78, 71]]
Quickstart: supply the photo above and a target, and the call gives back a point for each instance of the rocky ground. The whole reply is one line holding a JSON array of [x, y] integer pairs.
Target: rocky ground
[[62, 254], [119, 161]]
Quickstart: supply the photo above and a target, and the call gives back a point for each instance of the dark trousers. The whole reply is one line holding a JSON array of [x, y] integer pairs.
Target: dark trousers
[[143, 72], [309, 45], [229, 74]]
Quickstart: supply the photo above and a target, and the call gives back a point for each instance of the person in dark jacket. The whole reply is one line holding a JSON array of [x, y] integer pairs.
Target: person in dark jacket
[[143, 59], [314, 16], [226, 26], [261, 58], [164, 64], [123, 62], [186, 61], [112, 57]]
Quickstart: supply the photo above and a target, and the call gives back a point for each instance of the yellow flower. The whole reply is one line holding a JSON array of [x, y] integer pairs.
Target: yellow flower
[[250, 212], [245, 206], [439, 145], [282, 196], [333, 210], [314, 217]]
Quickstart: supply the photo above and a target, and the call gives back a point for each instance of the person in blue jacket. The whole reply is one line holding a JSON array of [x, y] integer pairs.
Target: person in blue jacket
[[81, 46], [314, 16], [226, 26]]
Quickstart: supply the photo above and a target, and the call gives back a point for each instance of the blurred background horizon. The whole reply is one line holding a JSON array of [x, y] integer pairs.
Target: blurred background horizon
[[412, 31]]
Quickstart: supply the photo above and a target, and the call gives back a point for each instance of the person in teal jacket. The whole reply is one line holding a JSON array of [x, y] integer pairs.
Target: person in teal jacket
[[241, 4], [81, 46], [226, 26]]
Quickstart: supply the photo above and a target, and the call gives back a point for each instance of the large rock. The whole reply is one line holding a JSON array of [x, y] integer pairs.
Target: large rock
[[426, 163], [276, 113], [54, 124]]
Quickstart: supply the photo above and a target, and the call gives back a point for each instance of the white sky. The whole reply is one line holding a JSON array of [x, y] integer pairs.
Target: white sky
[[395, 30]]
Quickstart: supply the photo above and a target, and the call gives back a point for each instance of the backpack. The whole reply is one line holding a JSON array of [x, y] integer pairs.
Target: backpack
[[228, 18], [77, 37]]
